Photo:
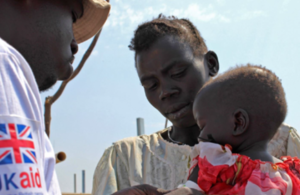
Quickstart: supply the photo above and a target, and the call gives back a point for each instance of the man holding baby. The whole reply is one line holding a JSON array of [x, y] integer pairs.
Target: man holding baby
[[173, 63]]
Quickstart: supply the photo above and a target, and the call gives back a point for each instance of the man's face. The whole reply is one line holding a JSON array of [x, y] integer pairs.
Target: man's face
[[47, 41], [171, 77]]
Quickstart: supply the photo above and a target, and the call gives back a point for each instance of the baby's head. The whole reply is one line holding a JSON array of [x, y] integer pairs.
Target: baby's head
[[242, 106]]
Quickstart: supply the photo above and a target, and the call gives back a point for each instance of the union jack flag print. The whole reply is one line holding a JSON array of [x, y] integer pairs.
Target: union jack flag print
[[16, 144]]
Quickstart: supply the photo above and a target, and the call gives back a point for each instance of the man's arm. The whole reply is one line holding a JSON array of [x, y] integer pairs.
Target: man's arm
[[150, 190]]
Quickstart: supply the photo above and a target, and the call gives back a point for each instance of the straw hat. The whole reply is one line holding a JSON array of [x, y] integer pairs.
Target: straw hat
[[95, 14]]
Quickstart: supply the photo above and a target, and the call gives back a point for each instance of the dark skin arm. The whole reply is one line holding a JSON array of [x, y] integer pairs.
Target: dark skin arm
[[145, 189], [194, 175], [185, 191]]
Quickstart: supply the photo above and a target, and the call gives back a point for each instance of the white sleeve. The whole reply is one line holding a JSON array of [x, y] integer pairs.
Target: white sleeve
[[54, 186], [105, 177], [22, 141], [49, 165], [111, 173], [21, 146]]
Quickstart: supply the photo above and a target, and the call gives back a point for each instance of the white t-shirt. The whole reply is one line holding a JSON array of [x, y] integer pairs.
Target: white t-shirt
[[27, 158]]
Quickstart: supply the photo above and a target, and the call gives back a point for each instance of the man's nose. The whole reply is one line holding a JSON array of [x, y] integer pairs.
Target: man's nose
[[74, 47], [168, 93]]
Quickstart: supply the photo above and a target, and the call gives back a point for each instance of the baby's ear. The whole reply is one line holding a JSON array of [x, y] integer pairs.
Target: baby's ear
[[241, 120]]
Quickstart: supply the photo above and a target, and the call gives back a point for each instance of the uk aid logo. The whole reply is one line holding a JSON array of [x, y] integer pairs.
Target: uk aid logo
[[17, 149]]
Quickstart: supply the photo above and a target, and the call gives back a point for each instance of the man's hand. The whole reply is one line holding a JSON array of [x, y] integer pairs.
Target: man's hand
[[150, 190], [184, 191], [143, 189]]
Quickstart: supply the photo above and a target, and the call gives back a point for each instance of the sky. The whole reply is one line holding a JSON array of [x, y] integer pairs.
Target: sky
[[101, 104]]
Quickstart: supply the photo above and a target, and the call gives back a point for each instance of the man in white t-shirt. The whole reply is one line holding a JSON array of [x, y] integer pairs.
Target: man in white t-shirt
[[38, 41]]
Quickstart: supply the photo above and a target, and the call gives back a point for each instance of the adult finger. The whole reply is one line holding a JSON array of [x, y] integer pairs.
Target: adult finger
[[185, 191], [143, 189]]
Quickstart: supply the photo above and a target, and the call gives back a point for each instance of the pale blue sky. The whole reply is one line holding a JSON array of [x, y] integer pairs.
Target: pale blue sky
[[101, 105]]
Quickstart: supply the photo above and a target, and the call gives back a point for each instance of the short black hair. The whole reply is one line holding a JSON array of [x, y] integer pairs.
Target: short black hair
[[149, 32], [255, 89]]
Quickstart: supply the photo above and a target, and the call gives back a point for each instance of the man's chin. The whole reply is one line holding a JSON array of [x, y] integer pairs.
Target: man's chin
[[67, 74], [51, 80], [47, 84], [184, 121]]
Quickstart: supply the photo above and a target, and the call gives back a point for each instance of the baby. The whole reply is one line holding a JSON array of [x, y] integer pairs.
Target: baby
[[238, 114]]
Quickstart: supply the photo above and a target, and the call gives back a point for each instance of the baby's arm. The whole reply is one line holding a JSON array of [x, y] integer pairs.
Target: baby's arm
[[194, 175], [192, 180]]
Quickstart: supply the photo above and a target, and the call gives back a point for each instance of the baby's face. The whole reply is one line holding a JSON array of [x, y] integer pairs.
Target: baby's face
[[212, 118]]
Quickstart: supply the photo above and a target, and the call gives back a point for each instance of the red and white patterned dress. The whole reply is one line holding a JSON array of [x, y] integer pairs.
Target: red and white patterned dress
[[223, 172]]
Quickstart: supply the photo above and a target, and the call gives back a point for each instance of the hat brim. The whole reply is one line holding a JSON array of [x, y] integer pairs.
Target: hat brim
[[95, 15]]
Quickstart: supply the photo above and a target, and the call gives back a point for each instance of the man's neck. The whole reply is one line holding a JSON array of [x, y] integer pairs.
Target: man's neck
[[187, 135]]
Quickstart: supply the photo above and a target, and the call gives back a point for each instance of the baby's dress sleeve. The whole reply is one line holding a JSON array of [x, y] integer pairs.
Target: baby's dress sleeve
[[212, 159], [222, 172], [292, 168]]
